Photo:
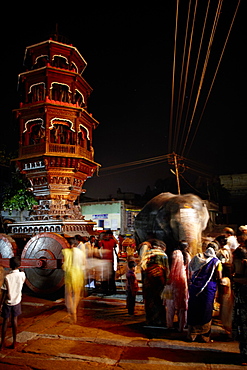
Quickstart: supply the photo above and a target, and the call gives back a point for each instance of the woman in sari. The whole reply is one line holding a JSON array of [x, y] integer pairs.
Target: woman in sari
[[155, 270], [178, 280], [206, 270]]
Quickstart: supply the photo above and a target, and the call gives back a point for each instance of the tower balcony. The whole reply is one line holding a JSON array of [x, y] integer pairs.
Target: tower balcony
[[55, 149]]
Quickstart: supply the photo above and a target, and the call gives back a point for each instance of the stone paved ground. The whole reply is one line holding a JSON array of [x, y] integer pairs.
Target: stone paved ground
[[106, 336]]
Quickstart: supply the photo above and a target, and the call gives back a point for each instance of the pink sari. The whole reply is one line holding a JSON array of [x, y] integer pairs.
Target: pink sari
[[179, 285], [179, 282]]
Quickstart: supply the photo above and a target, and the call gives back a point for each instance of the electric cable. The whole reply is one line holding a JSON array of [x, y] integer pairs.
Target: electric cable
[[209, 92], [153, 159], [178, 115], [130, 169], [216, 19], [173, 79], [192, 187], [194, 75], [185, 83], [190, 127]]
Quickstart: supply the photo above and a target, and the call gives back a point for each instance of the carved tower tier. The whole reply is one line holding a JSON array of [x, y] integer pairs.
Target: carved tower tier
[[55, 148]]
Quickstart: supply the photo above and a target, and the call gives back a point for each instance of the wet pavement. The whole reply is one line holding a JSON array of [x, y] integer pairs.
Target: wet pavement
[[106, 336]]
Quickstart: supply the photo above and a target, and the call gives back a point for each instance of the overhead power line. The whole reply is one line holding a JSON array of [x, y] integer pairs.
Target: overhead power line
[[190, 71], [209, 92], [182, 162], [160, 158], [173, 83], [205, 65]]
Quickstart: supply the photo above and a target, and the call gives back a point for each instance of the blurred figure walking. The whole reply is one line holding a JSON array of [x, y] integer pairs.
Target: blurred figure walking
[[74, 268]]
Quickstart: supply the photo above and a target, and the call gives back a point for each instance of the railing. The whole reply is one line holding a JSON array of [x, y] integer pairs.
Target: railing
[[40, 149], [62, 148], [33, 149]]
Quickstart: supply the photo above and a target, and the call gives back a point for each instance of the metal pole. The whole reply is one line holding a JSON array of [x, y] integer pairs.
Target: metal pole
[[176, 171]]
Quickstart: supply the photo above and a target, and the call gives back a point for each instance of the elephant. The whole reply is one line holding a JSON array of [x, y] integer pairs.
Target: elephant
[[170, 218]]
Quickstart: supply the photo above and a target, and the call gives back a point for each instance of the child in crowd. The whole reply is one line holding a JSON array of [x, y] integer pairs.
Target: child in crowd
[[10, 304], [132, 287]]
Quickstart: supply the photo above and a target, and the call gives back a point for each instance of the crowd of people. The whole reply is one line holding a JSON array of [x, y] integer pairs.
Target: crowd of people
[[178, 285], [192, 287]]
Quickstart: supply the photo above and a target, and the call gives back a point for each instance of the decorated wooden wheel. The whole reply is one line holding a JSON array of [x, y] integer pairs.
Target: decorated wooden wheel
[[8, 246], [42, 262]]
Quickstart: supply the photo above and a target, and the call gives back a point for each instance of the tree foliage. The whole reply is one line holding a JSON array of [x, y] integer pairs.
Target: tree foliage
[[17, 195]]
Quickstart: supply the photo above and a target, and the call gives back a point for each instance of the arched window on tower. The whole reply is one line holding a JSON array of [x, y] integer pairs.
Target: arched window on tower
[[83, 138], [34, 132], [37, 134], [61, 133], [79, 98], [59, 61], [36, 92], [74, 67], [40, 61], [60, 92]]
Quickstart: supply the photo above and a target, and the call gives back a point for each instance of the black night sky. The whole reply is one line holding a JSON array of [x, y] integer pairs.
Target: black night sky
[[129, 51]]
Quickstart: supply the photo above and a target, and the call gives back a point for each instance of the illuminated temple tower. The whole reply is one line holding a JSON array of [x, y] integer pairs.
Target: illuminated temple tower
[[55, 148]]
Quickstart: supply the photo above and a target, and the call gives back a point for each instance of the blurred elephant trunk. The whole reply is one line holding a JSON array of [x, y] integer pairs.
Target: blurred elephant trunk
[[189, 231], [187, 217]]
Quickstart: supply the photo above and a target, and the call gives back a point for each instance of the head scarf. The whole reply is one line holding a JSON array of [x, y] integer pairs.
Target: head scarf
[[201, 259], [209, 252]]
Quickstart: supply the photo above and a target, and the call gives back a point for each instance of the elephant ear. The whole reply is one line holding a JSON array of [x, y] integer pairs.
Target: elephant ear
[[162, 226], [146, 220], [163, 211]]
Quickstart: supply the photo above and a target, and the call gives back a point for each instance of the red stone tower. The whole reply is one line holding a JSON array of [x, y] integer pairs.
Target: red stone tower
[[55, 149]]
